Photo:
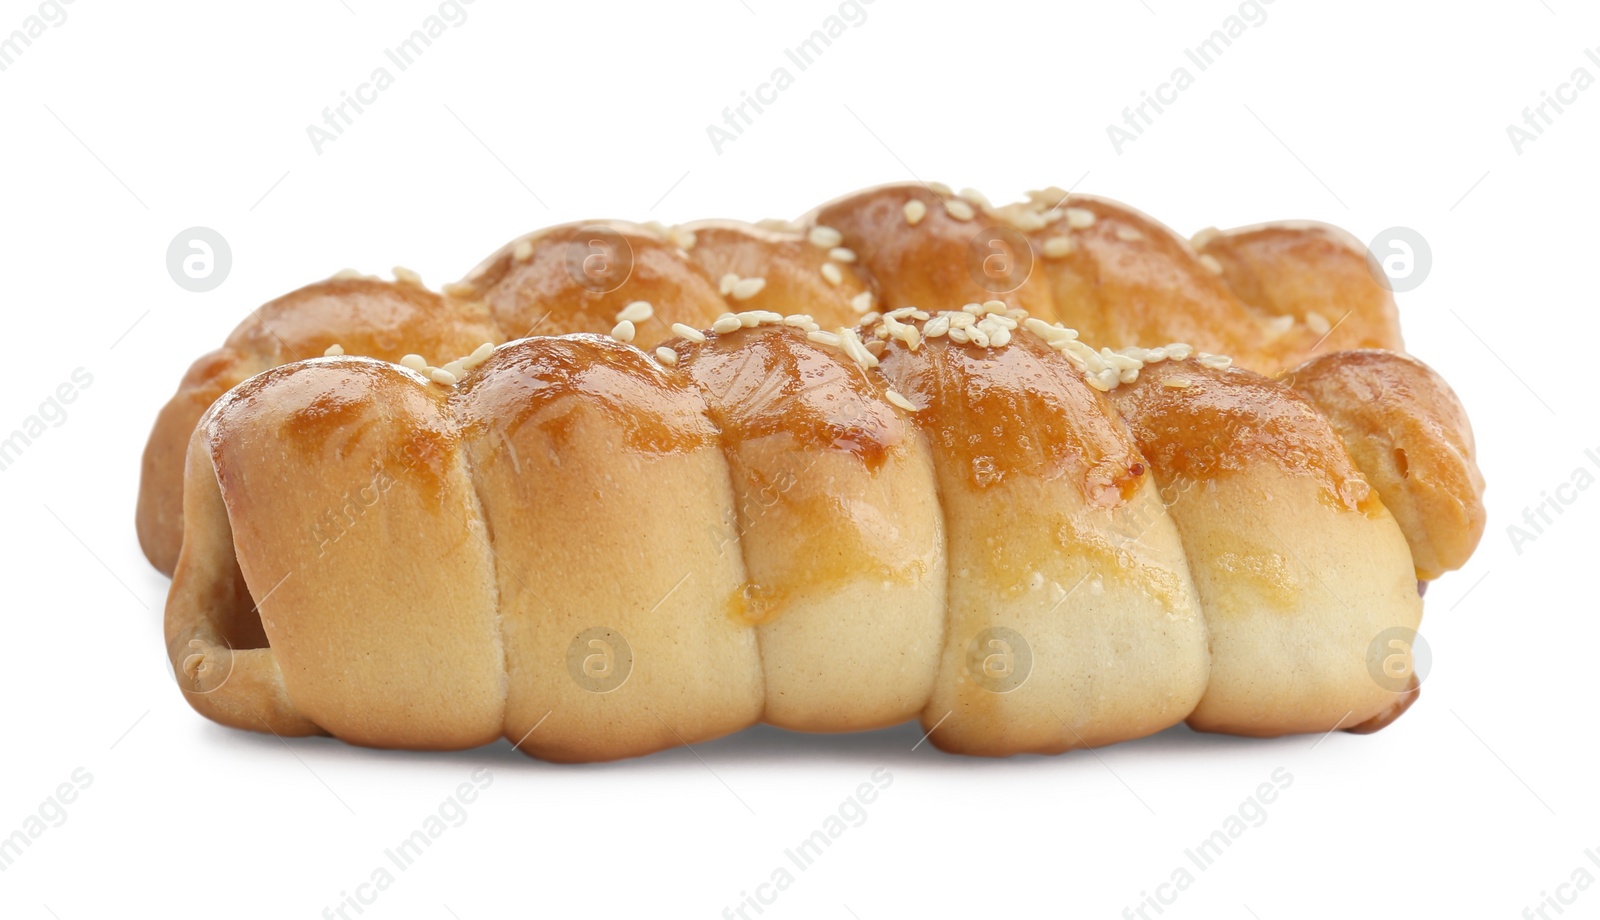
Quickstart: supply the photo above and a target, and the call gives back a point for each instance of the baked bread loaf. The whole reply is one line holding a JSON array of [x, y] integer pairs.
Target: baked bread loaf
[[833, 510], [598, 552], [1270, 297]]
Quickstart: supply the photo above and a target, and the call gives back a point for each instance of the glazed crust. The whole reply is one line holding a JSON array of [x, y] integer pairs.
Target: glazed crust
[[366, 316], [783, 524], [1409, 433], [1260, 294]]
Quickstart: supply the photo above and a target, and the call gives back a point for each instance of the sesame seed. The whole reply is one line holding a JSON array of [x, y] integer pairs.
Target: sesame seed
[[936, 327], [979, 336], [1203, 239], [1110, 377], [823, 338], [725, 324], [459, 289], [862, 302], [855, 349], [1058, 246], [747, 288], [347, 274], [415, 362], [831, 272], [778, 224], [681, 238], [1129, 234], [623, 331], [1119, 362], [842, 254], [455, 369], [1092, 361], [440, 375], [667, 356], [974, 196], [959, 209], [1318, 323], [1128, 376], [1176, 383], [1279, 325], [1080, 218], [1054, 334], [1215, 362], [637, 312], [1022, 217], [801, 320], [915, 210], [999, 337], [725, 285], [824, 237], [407, 276], [940, 189], [688, 332], [959, 334], [1178, 351], [894, 397], [333, 351], [523, 251], [1098, 382], [1211, 264], [479, 355]]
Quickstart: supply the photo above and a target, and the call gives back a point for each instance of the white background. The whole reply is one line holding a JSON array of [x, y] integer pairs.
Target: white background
[[130, 122]]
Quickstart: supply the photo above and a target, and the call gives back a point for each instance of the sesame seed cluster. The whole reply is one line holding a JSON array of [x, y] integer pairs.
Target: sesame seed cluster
[[1045, 214], [986, 325]]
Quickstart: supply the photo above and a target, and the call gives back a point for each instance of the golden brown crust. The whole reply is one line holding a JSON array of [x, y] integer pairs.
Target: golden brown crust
[[838, 523], [1020, 410], [771, 380], [795, 271], [364, 316], [536, 381], [929, 264], [1197, 423], [159, 517], [1128, 280], [1261, 294], [1314, 273], [578, 278], [1408, 432], [560, 486]]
